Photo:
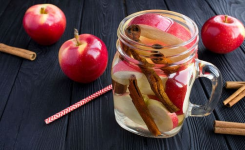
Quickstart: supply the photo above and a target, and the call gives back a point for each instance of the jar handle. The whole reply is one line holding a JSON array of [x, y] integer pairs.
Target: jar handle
[[207, 70]]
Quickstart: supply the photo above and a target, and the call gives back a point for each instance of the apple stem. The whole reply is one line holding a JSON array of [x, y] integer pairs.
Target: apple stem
[[76, 37], [42, 11], [226, 18]]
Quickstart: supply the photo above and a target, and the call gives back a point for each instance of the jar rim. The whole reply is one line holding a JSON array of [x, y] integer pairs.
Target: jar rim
[[121, 31]]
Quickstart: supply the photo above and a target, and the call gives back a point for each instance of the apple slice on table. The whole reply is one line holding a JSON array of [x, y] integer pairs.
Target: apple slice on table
[[164, 120], [122, 71], [124, 104]]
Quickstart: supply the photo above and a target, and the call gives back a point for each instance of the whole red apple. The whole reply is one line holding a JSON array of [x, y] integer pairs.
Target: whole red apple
[[222, 34], [163, 23], [44, 23], [83, 58]]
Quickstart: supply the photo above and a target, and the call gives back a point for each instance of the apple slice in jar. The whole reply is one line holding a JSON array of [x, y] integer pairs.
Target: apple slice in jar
[[144, 85], [164, 120], [180, 119], [148, 34], [124, 104], [122, 71]]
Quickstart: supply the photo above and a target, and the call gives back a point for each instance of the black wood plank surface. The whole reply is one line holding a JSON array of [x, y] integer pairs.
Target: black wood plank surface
[[95, 122], [32, 91], [233, 64], [10, 25], [31, 99]]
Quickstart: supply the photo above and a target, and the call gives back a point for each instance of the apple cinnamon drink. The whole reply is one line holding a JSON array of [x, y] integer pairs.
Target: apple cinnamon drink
[[153, 72]]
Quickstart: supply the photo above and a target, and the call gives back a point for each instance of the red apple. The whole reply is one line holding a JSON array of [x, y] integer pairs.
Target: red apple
[[176, 88], [222, 34], [163, 23], [84, 58], [44, 23]]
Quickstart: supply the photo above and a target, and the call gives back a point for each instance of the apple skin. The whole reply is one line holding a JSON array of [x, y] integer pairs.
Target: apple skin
[[125, 66], [44, 28], [174, 118], [176, 88], [162, 23], [86, 62], [222, 37], [122, 71]]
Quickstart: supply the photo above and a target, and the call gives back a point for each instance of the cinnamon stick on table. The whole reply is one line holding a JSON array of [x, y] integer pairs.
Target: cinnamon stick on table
[[234, 128], [23, 53], [235, 97], [141, 106], [234, 84]]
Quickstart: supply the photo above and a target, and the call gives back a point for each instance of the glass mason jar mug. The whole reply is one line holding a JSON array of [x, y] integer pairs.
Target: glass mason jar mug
[[153, 71]]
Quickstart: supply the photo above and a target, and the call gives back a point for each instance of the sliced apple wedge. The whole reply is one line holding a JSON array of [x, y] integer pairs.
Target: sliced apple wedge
[[122, 71], [124, 104], [145, 87], [150, 34], [181, 119], [157, 34], [164, 120]]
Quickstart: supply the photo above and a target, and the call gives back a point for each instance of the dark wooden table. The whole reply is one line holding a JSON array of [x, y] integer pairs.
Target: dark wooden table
[[31, 91]]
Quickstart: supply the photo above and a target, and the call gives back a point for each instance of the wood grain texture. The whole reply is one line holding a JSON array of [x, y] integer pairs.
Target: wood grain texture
[[227, 64], [32, 91], [95, 121], [32, 100], [10, 25], [233, 64]]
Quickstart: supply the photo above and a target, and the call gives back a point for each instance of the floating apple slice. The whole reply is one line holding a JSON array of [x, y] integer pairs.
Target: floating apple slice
[[164, 120], [180, 119], [157, 34], [124, 104], [122, 71], [145, 87], [116, 59], [149, 34], [173, 24]]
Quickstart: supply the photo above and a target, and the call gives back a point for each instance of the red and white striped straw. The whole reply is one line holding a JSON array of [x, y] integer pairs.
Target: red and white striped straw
[[77, 105]]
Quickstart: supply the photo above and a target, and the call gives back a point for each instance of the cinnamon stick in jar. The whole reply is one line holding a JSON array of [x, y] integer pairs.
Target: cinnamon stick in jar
[[141, 107], [154, 80], [23, 53]]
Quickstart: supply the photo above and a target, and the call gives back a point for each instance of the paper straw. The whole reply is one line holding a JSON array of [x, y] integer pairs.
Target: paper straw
[[77, 105]]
